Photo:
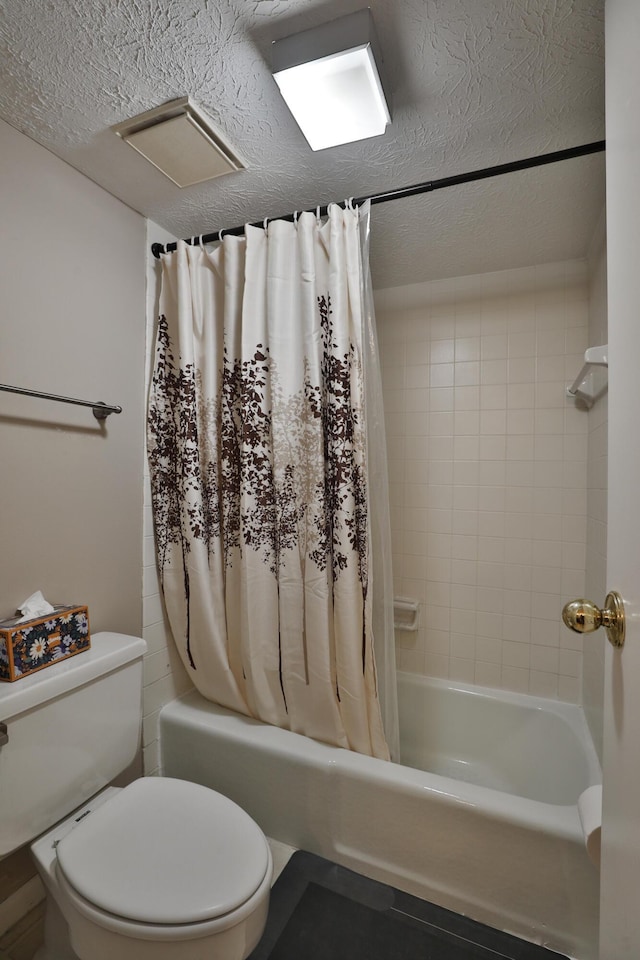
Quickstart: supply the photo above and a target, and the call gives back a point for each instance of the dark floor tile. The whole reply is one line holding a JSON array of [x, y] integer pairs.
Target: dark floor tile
[[322, 911]]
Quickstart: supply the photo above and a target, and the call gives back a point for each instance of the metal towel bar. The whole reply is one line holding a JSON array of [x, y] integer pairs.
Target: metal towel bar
[[100, 410]]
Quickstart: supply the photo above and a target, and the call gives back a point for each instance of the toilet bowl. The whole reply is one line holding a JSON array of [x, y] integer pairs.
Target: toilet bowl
[[163, 869]]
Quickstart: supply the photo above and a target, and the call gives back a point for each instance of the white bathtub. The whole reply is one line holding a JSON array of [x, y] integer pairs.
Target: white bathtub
[[491, 831]]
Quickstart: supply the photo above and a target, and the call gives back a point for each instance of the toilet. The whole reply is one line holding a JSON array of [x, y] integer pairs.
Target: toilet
[[161, 869]]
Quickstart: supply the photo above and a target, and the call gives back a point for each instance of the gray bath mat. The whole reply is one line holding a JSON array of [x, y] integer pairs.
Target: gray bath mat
[[321, 911]]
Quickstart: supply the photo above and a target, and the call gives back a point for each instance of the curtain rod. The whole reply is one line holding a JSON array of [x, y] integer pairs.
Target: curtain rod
[[427, 187]]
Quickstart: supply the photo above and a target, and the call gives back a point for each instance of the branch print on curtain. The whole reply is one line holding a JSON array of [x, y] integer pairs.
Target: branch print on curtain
[[258, 460]]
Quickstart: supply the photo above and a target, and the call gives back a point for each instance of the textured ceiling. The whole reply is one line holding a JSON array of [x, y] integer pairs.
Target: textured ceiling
[[473, 83]]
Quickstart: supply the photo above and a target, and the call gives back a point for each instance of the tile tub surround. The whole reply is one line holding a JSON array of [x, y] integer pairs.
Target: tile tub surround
[[487, 466], [487, 462]]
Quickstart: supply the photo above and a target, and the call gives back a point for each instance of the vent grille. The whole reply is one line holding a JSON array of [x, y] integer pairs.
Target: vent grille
[[182, 142]]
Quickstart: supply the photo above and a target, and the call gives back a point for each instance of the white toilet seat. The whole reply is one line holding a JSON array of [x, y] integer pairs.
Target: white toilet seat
[[165, 859], [138, 930]]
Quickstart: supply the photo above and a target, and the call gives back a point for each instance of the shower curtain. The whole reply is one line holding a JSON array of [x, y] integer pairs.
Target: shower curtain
[[268, 483]]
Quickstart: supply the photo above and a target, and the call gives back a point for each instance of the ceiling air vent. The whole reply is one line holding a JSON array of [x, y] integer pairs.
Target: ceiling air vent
[[181, 141]]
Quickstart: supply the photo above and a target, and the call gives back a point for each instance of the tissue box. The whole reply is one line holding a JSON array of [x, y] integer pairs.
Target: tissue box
[[36, 644]]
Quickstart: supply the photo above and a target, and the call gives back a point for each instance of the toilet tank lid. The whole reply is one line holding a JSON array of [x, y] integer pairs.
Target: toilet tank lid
[[108, 652]]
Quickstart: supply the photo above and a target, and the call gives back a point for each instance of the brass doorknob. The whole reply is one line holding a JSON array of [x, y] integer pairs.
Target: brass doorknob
[[584, 617]]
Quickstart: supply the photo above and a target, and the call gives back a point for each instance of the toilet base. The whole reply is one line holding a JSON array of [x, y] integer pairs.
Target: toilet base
[[234, 944], [95, 944], [57, 943]]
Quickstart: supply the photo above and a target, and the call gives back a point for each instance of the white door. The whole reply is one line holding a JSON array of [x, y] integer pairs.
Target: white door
[[620, 871]]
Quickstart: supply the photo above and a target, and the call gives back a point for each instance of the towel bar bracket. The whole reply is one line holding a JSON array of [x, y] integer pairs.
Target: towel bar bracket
[[102, 410]]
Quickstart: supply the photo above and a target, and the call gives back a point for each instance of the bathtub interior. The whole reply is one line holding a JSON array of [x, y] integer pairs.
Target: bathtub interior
[[520, 745]]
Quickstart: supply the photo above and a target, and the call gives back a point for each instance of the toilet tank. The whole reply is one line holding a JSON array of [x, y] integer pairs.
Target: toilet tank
[[71, 729]]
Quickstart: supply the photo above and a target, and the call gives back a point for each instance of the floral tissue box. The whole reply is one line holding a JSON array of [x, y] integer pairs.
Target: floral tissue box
[[35, 644]]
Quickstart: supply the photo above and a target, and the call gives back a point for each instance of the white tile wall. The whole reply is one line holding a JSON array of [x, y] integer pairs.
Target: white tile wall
[[164, 676], [488, 473]]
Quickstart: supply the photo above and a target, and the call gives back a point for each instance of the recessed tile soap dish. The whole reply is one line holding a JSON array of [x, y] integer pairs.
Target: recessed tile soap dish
[[406, 614]]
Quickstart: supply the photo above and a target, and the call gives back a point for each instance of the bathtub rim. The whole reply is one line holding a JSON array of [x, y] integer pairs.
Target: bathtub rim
[[559, 820]]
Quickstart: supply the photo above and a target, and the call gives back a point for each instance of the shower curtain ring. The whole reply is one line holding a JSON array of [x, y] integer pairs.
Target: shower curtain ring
[[220, 232], [265, 224]]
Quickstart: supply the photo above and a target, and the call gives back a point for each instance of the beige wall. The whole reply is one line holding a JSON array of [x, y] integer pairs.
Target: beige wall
[[72, 318], [72, 323], [488, 473]]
